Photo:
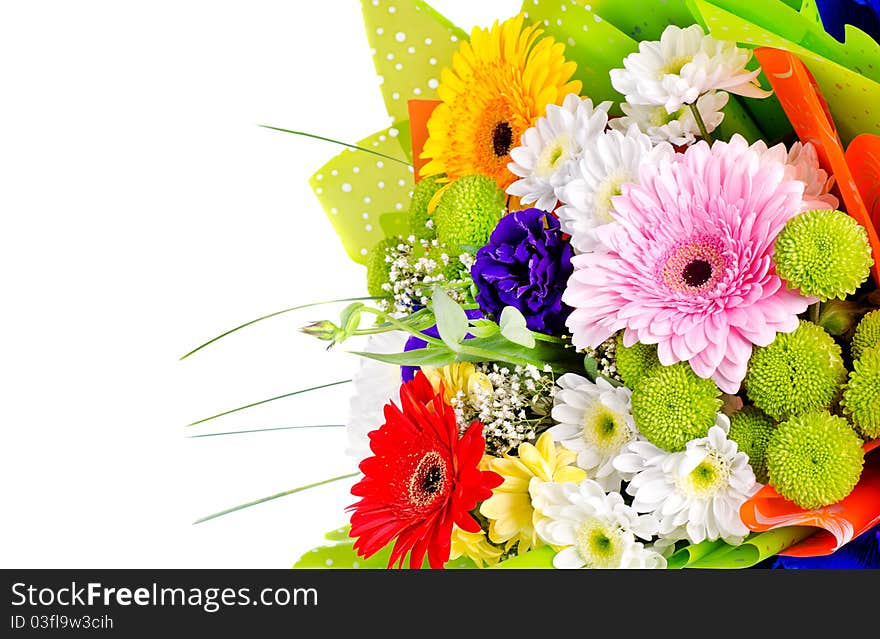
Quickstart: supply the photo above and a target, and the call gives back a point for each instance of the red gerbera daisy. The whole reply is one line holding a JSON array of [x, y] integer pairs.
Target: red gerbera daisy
[[421, 480]]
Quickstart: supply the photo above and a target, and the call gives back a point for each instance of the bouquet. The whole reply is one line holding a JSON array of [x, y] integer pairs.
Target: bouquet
[[622, 275]]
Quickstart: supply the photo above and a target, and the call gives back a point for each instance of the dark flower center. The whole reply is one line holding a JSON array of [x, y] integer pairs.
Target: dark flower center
[[693, 267], [697, 273], [429, 480], [502, 138], [432, 480]]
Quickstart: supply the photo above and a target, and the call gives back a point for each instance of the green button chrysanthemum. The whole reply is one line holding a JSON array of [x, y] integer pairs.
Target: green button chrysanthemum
[[867, 334], [671, 405], [378, 267], [468, 211], [823, 253], [799, 372], [814, 459], [861, 397], [634, 362], [751, 429], [420, 221]]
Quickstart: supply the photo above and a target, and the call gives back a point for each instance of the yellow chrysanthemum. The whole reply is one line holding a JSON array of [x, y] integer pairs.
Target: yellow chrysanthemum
[[499, 84], [509, 509], [475, 546], [462, 377]]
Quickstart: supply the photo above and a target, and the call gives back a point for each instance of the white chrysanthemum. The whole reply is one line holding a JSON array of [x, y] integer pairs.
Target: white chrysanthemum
[[802, 163], [548, 148], [608, 162], [696, 493], [594, 529], [596, 422], [683, 65], [375, 384], [679, 128]]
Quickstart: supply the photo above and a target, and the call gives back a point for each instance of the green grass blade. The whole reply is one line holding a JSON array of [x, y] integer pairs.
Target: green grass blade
[[275, 496], [351, 146], [271, 399], [265, 430], [275, 314]]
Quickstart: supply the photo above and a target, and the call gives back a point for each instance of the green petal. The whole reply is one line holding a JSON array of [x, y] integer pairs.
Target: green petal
[[406, 36], [356, 189]]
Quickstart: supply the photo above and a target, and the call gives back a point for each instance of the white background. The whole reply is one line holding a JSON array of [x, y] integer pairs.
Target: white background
[[143, 213]]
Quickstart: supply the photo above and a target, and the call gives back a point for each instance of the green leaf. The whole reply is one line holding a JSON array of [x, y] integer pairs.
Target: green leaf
[[411, 44], [756, 548], [271, 399], [591, 367], [452, 321], [356, 189], [538, 558], [350, 319], [495, 348], [263, 500], [275, 314], [265, 430], [482, 328], [431, 356], [513, 327]]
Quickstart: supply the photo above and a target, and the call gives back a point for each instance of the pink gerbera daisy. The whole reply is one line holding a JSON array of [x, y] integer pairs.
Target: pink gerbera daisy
[[688, 264]]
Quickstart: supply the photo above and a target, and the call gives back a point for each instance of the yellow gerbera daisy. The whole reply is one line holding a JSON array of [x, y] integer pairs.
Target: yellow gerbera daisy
[[499, 84], [452, 378], [475, 546], [509, 509]]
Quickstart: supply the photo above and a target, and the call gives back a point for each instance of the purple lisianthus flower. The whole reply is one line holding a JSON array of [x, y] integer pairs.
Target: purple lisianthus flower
[[526, 264], [414, 343]]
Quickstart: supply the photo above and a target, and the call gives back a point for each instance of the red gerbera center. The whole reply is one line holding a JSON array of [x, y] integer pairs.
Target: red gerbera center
[[421, 479]]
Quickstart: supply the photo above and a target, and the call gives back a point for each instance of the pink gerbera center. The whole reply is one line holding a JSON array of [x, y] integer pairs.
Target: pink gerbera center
[[693, 266]]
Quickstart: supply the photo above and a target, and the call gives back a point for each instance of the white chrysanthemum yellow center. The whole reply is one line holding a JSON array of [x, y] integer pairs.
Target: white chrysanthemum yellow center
[[674, 65], [599, 544], [659, 117], [607, 189], [605, 429], [553, 155], [711, 475]]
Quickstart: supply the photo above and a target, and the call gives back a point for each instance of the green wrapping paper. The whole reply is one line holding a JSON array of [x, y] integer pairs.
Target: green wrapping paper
[[755, 549], [848, 74], [411, 43], [599, 35], [340, 554], [709, 554], [359, 190]]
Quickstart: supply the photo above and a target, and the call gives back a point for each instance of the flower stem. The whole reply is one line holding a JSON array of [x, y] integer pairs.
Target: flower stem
[[814, 312], [704, 133], [396, 323]]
